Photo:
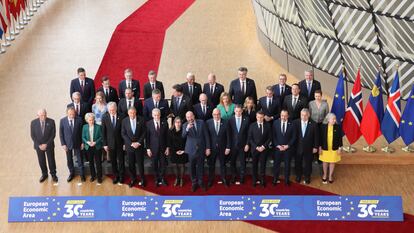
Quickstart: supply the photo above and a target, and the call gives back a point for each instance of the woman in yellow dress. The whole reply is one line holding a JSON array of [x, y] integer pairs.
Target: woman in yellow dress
[[330, 149]]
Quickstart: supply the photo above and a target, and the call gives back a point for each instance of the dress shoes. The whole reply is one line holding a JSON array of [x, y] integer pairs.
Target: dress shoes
[[194, 187], [70, 178], [43, 178], [83, 178], [93, 178], [132, 183], [55, 178]]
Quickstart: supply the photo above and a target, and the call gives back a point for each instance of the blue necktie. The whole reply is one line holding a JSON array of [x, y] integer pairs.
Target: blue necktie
[[309, 88], [303, 129], [133, 126], [238, 124]]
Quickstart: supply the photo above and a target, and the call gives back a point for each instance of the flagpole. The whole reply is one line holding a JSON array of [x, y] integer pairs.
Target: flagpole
[[2, 50], [349, 148]]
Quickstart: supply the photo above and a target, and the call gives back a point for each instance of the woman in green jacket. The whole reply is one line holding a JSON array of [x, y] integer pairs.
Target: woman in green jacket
[[92, 139]]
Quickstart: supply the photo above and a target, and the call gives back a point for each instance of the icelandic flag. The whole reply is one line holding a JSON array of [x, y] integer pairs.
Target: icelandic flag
[[338, 105], [392, 116], [353, 114], [407, 120], [373, 113]]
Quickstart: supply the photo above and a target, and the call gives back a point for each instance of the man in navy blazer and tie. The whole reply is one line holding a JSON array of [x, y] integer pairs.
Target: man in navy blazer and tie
[[259, 138], [157, 149], [153, 84], [242, 87], [127, 102], [80, 107], [129, 82], [84, 86], [110, 93], [180, 103], [294, 103], [156, 102], [269, 105], [70, 132], [204, 109], [283, 140], [281, 89], [308, 86], [238, 130], [220, 147], [43, 132], [192, 89], [112, 142], [197, 146], [133, 134], [213, 89], [307, 143]]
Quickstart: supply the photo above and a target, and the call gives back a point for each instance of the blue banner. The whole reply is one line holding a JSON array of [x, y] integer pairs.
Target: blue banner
[[189, 208]]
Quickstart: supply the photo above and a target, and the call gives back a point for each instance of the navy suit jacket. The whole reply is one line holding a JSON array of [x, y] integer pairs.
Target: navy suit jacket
[[238, 139], [111, 136], [112, 96], [278, 138], [221, 141], [135, 88], [197, 140], [196, 92], [236, 93], [88, 93], [148, 89], [162, 105], [316, 85], [156, 141], [47, 137], [123, 107], [276, 92], [273, 110], [129, 137], [256, 138], [185, 105], [69, 138], [84, 108], [311, 139], [198, 112], [294, 112], [215, 98]]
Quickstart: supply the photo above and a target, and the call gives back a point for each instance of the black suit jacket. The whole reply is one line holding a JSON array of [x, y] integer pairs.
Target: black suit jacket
[[157, 142], [273, 110], [221, 141], [294, 113], [111, 136], [278, 138], [68, 137], [181, 110], [311, 139], [123, 107], [196, 92], [84, 108], [129, 137], [276, 92], [135, 88], [148, 89], [255, 137], [149, 105], [316, 85], [337, 137], [236, 93], [198, 112], [214, 98], [112, 96], [47, 137], [250, 116], [88, 93], [238, 139]]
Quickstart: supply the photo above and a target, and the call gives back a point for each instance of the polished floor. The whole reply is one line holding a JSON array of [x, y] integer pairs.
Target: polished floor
[[36, 71]]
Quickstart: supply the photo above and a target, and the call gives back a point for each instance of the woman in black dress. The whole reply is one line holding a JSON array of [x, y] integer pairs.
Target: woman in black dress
[[176, 143]]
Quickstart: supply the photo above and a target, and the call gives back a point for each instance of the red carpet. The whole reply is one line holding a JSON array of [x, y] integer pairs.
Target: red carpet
[[138, 40]]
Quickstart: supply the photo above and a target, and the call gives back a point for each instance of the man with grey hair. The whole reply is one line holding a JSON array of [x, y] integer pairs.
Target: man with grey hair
[[156, 102], [43, 132], [191, 88], [213, 89], [80, 107], [308, 86], [307, 142], [153, 84]]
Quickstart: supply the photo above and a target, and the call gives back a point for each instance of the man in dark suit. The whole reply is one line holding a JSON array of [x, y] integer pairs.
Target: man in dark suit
[[197, 147], [294, 103], [269, 105], [180, 103], [156, 102], [259, 138], [157, 149], [307, 142], [308, 86], [192, 89], [128, 102], [153, 84], [133, 133], [213, 90], [282, 89], [283, 140], [43, 132], [84, 86], [238, 130], [220, 147], [129, 82], [110, 93], [80, 107], [112, 142], [242, 87], [204, 109], [70, 132]]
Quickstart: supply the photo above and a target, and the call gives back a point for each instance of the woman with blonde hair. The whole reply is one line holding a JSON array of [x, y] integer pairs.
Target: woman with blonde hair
[[249, 109], [99, 108], [226, 106]]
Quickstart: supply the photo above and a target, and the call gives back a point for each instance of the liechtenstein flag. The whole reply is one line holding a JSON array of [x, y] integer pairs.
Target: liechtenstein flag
[[407, 120], [392, 116], [373, 113]]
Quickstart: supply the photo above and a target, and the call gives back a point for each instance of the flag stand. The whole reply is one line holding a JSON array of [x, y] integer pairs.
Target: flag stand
[[388, 149], [349, 149], [369, 149], [1, 49], [407, 149], [14, 32]]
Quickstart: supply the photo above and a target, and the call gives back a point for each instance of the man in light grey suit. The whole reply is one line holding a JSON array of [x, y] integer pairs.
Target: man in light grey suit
[[197, 146], [70, 133]]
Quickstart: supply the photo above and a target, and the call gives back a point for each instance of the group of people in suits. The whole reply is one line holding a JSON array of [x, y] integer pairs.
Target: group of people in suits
[[207, 125]]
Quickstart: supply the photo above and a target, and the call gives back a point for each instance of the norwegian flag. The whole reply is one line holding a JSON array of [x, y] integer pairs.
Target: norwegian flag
[[392, 116], [353, 113]]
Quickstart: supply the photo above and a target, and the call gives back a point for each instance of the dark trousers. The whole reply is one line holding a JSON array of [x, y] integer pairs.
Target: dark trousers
[[117, 158], [69, 158], [136, 156], [278, 157], [159, 163], [238, 153], [259, 158], [196, 168], [41, 157], [303, 164], [95, 160], [211, 162]]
